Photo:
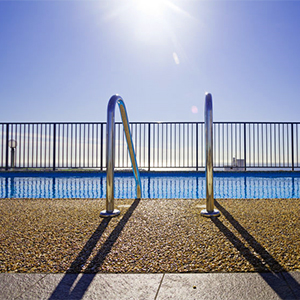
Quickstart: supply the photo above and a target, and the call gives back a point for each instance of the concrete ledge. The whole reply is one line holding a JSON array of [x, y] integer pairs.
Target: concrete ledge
[[79, 286], [151, 286], [227, 286]]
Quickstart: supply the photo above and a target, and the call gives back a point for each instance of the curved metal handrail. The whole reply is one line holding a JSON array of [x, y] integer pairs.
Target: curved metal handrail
[[208, 118], [110, 154]]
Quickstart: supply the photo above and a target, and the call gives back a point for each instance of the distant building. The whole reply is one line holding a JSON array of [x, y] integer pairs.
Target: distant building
[[236, 165]]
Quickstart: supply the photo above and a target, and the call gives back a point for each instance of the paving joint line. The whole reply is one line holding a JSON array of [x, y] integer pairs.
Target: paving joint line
[[29, 287], [159, 286]]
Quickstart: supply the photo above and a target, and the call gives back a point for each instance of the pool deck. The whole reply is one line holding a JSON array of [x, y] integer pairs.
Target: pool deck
[[155, 249]]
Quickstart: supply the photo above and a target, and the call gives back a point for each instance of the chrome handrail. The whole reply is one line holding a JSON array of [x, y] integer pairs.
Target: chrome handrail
[[208, 119], [110, 154]]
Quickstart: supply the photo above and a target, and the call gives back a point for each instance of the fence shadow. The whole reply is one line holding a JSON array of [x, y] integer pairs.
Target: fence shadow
[[70, 287], [267, 266]]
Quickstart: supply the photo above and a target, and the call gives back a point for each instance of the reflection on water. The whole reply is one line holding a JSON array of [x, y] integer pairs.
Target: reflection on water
[[154, 185]]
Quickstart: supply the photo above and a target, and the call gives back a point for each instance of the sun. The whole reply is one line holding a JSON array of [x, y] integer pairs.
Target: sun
[[152, 22], [151, 7]]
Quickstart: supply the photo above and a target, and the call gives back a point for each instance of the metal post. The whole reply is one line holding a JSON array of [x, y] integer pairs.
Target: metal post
[[110, 161], [208, 116], [12, 158], [292, 136], [149, 142], [245, 153], [54, 145], [110, 154], [6, 149], [12, 144], [197, 158], [101, 148]]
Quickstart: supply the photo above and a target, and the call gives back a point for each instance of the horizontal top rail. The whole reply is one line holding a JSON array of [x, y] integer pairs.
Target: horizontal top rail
[[49, 123], [150, 122], [232, 122]]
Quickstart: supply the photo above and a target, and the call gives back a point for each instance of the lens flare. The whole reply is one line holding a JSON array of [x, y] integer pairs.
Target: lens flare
[[194, 109], [176, 59]]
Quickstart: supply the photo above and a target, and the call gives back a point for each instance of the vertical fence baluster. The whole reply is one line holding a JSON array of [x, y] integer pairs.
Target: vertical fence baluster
[[149, 142], [2, 143], [197, 165], [297, 164], [54, 146], [45, 142], [140, 145], [245, 153], [164, 146], [6, 148], [101, 147], [292, 138]]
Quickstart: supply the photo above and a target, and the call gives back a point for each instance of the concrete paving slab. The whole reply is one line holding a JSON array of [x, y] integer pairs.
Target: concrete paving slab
[[95, 286], [293, 280], [225, 286], [13, 285], [151, 286]]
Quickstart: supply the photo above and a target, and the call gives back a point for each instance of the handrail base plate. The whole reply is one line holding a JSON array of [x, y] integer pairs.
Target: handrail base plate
[[109, 214], [208, 214]]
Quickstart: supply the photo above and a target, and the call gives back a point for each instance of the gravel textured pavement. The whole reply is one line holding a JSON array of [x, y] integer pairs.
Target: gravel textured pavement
[[149, 236]]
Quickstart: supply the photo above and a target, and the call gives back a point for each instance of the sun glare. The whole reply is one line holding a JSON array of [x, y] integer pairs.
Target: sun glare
[[150, 7], [152, 22]]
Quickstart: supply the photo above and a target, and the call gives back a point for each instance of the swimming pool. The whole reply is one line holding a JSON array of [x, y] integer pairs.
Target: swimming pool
[[154, 185]]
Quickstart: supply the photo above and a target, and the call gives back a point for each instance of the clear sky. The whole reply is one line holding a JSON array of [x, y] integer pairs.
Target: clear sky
[[62, 60]]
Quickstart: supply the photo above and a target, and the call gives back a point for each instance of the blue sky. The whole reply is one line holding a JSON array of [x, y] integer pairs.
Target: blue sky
[[62, 60]]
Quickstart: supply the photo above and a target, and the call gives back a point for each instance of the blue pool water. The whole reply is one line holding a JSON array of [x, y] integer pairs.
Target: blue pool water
[[154, 185]]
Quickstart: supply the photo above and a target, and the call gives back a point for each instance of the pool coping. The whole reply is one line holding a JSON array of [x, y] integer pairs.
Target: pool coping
[[259, 286]]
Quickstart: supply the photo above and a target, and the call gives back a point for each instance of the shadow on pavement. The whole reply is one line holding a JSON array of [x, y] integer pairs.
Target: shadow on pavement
[[267, 266], [68, 288]]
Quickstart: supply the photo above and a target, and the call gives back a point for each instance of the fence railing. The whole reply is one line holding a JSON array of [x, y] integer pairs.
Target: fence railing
[[158, 145]]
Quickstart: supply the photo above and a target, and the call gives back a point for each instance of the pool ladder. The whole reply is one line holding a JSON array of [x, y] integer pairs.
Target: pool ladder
[[110, 211], [210, 211]]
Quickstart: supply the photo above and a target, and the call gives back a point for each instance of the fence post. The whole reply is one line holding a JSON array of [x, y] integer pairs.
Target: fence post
[[54, 145], [292, 134], [101, 148], [245, 153], [197, 166], [6, 149], [149, 141]]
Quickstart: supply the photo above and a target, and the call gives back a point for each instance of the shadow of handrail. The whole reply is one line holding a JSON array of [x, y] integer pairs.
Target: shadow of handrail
[[66, 289], [273, 278]]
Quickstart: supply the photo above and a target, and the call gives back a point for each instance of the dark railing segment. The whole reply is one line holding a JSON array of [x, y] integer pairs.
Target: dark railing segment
[[79, 145], [158, 145]]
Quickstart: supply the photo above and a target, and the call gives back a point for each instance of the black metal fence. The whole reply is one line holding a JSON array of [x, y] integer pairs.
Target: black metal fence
[[158, 145]]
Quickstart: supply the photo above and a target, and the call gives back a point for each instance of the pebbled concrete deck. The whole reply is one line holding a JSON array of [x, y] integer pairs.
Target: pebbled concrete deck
[[150, 236], [156, 249]]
